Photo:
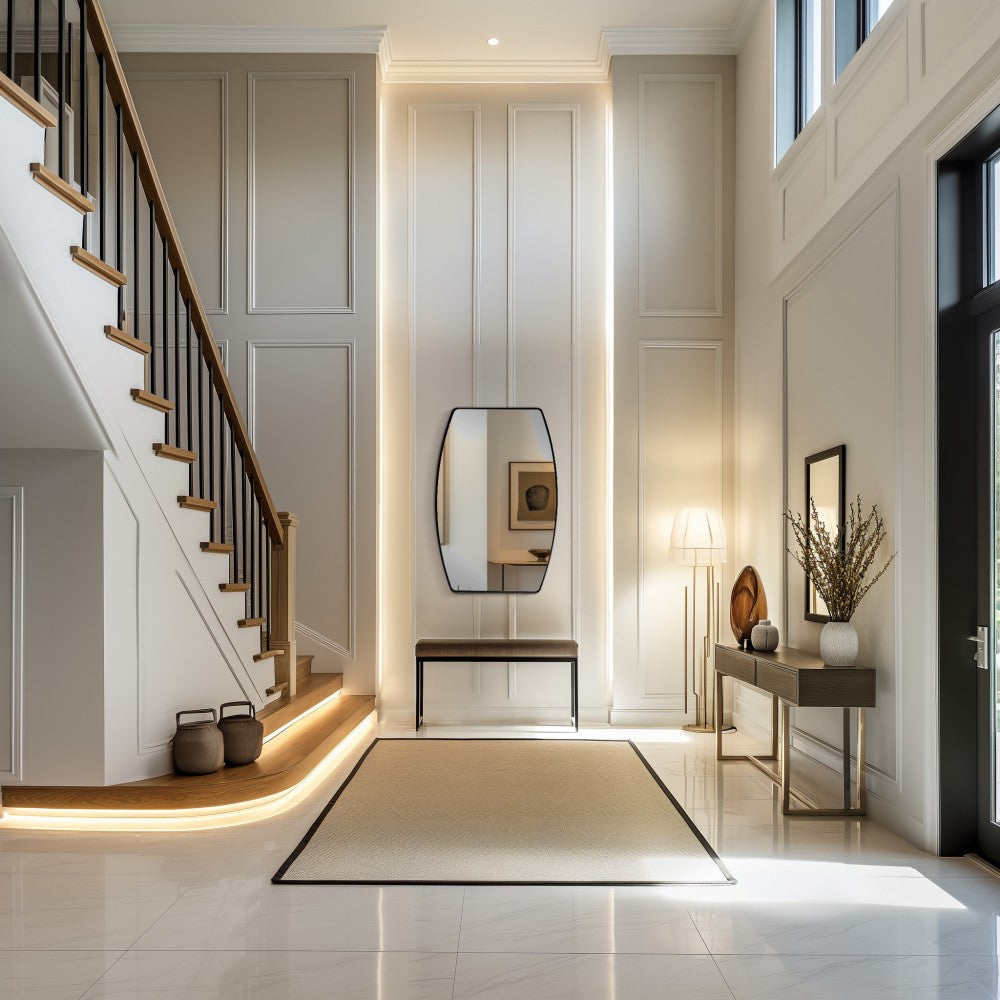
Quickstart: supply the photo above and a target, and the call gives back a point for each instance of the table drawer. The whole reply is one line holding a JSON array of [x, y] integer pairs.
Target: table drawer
[[736, 664], [777, 680]]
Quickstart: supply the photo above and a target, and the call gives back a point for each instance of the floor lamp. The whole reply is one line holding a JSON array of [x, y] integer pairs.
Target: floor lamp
[[698, 540]]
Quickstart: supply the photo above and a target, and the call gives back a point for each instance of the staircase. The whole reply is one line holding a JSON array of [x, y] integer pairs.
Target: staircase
[[161, 392]]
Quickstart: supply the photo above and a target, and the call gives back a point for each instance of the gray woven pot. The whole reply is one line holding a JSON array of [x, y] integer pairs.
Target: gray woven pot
[[198, 746], [243, 734]]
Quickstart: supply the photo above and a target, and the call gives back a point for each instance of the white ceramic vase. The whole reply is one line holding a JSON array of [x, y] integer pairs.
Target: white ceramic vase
[[838, 644]]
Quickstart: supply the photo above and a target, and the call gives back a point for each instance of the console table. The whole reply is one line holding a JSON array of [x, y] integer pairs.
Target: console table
[[796, 679], [497, 651]]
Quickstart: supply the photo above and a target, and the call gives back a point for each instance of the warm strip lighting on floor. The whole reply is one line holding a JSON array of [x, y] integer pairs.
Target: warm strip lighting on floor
[[200, 818], [305, 715]]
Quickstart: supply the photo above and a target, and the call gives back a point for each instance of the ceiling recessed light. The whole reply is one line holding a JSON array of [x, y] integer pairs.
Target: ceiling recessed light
[[493, 41]]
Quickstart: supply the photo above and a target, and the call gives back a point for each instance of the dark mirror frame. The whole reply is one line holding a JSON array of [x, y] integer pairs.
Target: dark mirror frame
[[839, 452], [437, 484]]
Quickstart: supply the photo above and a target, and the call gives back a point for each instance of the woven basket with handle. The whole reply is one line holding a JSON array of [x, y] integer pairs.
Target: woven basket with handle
[[198, 746], [242, 734]]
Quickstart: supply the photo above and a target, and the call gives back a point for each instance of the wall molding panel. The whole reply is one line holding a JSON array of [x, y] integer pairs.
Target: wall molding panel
[[221, 307], [322, 630], [676, 176], [665, 691], [11, 631], [300, 305]]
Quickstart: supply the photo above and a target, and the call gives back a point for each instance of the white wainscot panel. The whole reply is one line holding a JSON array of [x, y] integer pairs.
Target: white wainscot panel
[[804, 190], [302, 425], [873, 99], [300, 256], [942, 23], [542, 334], [680, 195], [680, 465], [11, 629], [185, 118], [444, 242]]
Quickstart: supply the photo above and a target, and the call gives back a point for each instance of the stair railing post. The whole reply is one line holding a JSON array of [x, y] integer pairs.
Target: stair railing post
[[283, 605]]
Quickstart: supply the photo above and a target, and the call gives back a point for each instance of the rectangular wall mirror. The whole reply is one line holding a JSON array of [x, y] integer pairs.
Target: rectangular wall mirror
[[826, 487], [496, 500]]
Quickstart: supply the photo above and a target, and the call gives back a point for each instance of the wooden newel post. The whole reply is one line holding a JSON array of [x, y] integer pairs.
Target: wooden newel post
[[283, 602]]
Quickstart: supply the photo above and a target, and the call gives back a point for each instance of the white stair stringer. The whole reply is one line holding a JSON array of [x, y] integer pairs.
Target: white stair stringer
[[188, 651]]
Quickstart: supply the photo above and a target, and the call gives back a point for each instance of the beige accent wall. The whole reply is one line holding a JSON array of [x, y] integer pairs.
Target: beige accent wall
[[269, 164]]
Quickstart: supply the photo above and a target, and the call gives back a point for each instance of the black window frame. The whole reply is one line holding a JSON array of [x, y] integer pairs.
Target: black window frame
[[791, 90], [856, 20]]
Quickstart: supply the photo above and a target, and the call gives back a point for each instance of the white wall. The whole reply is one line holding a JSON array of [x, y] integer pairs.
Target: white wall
[[835, 338], [275, 204], [673, 360], [493, 294], [52, 704]]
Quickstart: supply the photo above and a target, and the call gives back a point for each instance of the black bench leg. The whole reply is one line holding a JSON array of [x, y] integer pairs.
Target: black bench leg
[[420, 694], [575, 695]]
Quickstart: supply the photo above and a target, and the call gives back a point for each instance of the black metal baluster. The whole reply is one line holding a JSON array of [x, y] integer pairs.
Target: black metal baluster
[[10, 39], [211, 469], [234, 513], [267, 588], [262, 542], [189, 336], [254, 541], [61, 86], [199, 361], [37, 53], [84, 111], [102, 154], [133, 278], [222, 470], [152, 299], [120, 210], [166, 338], [243, 514], [177, 359]]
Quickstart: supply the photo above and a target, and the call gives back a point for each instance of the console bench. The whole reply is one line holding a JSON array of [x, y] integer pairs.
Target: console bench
[[797, 679], [497, 651]]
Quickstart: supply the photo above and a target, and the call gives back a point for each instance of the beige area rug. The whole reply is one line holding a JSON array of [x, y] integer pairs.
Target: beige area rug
[[509, 812]]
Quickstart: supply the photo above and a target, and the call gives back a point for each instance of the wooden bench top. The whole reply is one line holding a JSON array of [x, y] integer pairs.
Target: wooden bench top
[[509, 649]]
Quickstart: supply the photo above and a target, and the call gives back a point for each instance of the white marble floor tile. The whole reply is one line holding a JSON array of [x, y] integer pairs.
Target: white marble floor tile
[[276, 975], [250, 914], [51, 975], [588, 977], [44, 911], [774, 977], [577, 919]]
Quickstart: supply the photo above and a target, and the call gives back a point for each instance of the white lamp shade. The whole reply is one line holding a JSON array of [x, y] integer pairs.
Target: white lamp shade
[[698, 537]]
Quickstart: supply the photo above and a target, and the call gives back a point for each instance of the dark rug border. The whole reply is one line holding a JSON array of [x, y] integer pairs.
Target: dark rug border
[[279, 879]]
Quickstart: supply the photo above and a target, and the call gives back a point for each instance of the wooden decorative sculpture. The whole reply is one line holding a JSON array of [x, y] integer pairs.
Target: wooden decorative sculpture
[[748, 604]]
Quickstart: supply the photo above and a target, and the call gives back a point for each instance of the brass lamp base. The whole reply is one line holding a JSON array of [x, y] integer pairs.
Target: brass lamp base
[[706, 728]]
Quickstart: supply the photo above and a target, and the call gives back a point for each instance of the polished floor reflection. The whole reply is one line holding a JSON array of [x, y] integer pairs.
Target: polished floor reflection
[[822, 909]]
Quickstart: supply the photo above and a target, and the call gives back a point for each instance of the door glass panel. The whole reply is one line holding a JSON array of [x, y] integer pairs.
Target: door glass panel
[[994, 702], [992, 219]]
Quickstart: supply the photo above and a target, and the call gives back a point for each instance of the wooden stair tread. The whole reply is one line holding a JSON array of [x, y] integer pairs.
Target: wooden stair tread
[[26, 103], [279, 687], [234, 588], [266, 654], [97, 266], [196, 503], [308, 694], [126, 340], [151, 400], [63, 190], [284, 762], [223, 547], [249, 622], [174, 454]]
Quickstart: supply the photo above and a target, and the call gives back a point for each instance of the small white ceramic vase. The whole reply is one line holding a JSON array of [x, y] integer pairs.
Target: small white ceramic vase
[[838, 644], [764, 636]]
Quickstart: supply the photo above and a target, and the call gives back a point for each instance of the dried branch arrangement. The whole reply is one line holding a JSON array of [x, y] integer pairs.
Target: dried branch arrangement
[[838, 564]]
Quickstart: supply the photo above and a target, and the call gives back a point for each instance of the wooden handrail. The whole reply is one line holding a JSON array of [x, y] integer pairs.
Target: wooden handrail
[[100, 37]]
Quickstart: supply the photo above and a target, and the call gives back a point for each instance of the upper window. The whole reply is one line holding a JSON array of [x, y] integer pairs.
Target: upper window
[[992, 248], [798, 68], [855, 21]]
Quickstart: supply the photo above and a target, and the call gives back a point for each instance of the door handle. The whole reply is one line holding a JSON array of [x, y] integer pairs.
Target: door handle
[[980, 639]]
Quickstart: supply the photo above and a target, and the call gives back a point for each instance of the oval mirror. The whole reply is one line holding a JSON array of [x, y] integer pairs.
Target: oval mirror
[[496, 500]]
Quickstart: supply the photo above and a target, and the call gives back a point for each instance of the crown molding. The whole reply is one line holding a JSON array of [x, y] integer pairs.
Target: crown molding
[[247, 38], [375, 40]]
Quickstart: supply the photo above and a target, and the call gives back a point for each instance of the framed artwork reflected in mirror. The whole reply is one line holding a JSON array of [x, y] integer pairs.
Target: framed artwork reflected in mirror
[[826, 487]]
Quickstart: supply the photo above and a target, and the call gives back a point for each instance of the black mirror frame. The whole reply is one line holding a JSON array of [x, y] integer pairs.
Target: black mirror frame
[[840, 451], [437, 484]]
